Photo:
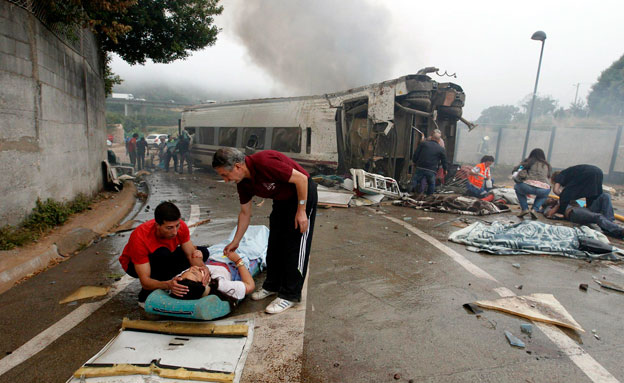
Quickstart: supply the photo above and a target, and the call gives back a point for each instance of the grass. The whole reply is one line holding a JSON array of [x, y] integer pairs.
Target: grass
[[45, 216]]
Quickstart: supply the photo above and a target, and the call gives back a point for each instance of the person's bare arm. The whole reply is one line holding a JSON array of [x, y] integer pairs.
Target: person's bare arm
[[144, 271], [557, 189], [245, 275], [301, 183], [195, 258], [244, 217]]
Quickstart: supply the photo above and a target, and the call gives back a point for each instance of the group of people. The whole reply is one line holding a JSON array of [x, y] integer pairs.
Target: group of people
[[533, 177], [177, 149], [161, 254]]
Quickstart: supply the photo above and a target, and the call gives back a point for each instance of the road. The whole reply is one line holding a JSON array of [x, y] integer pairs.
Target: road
[[384, 301]]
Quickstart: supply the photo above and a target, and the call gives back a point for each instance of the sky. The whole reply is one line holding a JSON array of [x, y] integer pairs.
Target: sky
[[281, 48]]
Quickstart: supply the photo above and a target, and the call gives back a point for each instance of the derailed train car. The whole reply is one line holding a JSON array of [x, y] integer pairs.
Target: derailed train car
[[375, 127]]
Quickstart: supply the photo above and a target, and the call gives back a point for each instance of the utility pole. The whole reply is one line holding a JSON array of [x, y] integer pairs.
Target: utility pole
[[577, 88]]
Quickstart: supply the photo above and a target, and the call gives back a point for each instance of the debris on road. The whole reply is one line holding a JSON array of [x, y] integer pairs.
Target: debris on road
[[199, 223], [516, 265], [126, 226], [456, 204], [527, 328], [609, 285], [583, 286], [513, 340], [85, 292], [472, 308], [537, 307]]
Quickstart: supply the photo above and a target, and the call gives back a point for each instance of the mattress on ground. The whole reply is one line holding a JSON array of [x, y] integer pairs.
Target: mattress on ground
[[207, 308]]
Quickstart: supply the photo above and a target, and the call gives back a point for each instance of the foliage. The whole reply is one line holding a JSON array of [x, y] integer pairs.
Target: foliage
[[159, 30], [544, 105], [607, 95], [498, 114], [139, 123], [110, 79], [45, 216]]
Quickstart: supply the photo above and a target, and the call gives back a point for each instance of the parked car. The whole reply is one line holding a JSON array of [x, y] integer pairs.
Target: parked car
[[154, 139]]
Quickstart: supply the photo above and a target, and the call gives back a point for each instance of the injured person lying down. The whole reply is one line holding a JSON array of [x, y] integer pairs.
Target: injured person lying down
[[583, 216], [220, 281]]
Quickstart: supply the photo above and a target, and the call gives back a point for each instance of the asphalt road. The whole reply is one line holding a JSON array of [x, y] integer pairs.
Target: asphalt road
[[384, 303]]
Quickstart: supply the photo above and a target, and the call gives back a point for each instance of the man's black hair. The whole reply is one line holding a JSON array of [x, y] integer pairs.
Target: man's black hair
[[166, 211], [135, 135], [196, 290], [487, 158]]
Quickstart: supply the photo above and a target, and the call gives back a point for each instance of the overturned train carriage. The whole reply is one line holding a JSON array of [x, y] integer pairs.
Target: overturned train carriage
[[375, 127]]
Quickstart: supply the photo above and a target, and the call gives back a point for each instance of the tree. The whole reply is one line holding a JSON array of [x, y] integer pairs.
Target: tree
[[498, 114], [544, 105], [159, 30], [607, 95]]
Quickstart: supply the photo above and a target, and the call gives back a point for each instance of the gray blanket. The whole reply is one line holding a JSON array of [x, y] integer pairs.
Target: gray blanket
[[531, 237]]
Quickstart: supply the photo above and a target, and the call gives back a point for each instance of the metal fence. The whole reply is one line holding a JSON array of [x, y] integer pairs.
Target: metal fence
[[564, 146]]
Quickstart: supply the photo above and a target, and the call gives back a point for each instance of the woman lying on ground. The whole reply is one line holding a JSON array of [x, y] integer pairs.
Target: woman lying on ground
[[220, 281], [532, 178]]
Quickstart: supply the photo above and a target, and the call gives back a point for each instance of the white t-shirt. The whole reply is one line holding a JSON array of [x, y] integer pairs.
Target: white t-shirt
[[234, 289]]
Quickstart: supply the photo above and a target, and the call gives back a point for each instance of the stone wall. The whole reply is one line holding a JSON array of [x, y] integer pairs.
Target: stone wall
[[52, 114]]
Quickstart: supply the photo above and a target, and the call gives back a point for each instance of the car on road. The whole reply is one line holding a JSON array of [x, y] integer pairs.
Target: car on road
[[154, 139]]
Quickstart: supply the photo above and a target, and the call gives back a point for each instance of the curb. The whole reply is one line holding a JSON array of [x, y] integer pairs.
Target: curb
[[26, 261]]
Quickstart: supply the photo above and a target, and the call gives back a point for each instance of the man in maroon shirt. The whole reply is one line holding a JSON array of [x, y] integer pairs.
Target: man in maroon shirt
[[270, 174], [159, 249]]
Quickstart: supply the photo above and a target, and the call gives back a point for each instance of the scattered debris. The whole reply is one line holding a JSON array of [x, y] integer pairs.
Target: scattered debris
[[397, 376], [537, 307], [370, 183], [199, 222], [334, 199], [125, 177], [519, 287], [407, 218], [142, 173], [527, 328], [594, 332], [472, 308], [260, 203], [85, 292], [583, 286], [126, 226], [425, 218], [609, 285], [513, 340], [516, 265]]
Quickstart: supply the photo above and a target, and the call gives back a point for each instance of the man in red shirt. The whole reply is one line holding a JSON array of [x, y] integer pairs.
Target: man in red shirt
[[271, 174], [159, 249], [132, 149]]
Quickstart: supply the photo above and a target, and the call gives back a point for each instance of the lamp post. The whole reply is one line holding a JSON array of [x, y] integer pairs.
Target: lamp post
[[541, 36]]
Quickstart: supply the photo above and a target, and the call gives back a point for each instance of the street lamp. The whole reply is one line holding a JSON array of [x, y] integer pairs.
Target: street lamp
[[541, 36]]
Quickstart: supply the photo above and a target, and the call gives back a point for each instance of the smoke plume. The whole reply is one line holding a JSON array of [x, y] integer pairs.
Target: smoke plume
[[316, 46]]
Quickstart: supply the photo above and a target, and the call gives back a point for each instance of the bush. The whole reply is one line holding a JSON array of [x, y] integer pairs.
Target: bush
[[45, 216]]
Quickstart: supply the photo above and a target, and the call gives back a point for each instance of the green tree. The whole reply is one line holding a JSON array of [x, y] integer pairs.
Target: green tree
[[544, 105], [607, 95], [157, 30], [498, 114]]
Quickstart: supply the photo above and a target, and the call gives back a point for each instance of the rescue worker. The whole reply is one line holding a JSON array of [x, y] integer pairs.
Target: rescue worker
[[478, 177], [271, 174]]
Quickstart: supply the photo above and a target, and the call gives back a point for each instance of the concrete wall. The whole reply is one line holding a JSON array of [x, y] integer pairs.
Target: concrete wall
[[52, 114]]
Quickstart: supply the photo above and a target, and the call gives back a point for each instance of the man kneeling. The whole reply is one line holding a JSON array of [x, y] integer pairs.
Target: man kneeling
[[219, 281], [159, 249]]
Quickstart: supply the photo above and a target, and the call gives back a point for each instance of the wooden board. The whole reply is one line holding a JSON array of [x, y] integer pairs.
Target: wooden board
[[85, 292], [539, 307]]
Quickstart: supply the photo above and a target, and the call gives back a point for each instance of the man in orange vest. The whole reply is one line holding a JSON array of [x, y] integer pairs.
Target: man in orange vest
[[479, 175]]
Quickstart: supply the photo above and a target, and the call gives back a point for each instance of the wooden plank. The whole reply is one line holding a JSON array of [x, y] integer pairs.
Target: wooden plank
[[186, 328], [129, 369], [538, 307]]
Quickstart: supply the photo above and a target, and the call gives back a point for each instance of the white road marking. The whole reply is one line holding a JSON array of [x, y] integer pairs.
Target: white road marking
[[52, 333], [580, 357], [71, 320]]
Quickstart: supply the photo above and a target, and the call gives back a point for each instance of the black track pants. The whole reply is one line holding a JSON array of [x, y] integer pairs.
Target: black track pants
[[289, 249]]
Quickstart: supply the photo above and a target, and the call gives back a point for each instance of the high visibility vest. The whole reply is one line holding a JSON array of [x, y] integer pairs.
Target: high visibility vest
[[478, 181]]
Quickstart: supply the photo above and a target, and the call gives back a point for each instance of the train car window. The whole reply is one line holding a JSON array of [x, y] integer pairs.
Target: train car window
[[206, 135], [227, 137], [286, 140], [308, 140], [254, 138]]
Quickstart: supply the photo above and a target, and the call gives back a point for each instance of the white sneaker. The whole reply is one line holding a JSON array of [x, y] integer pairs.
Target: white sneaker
[[261, 294], [279, 305]]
